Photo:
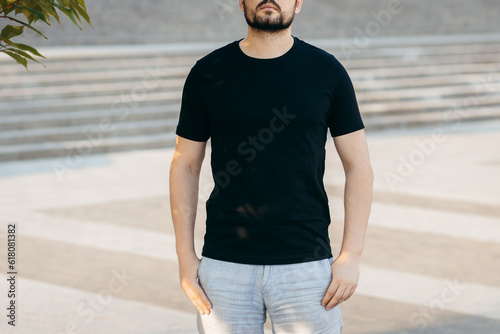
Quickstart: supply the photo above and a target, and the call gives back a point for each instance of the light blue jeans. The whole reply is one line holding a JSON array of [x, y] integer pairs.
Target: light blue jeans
[[241, 294]]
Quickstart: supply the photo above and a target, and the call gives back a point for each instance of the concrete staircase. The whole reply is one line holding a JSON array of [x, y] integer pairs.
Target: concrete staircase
[[215, 20], [113, 98]]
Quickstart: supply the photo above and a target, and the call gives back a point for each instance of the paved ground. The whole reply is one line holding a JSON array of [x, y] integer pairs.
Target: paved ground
[[96, 250]]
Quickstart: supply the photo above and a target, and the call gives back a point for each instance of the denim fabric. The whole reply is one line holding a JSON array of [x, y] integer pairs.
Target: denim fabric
[[291, 294]]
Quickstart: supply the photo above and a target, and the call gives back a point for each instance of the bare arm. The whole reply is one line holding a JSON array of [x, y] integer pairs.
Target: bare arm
[[184, 183], [353, 152]]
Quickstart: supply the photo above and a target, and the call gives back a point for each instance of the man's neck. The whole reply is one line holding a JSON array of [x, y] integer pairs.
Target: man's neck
[[259, 44]]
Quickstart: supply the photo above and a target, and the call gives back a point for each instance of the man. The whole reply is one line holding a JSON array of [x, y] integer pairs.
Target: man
[[267, 102]]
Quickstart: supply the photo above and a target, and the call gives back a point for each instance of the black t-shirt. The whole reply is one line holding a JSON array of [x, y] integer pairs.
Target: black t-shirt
[[268, 121]]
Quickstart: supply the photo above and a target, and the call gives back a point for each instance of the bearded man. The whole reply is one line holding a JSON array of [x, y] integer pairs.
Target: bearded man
[[267, 102]]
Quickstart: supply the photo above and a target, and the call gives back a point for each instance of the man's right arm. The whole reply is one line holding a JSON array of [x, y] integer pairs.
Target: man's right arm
[[184, 184]]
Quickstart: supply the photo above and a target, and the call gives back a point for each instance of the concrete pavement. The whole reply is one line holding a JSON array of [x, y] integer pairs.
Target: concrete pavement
[[96, 250]]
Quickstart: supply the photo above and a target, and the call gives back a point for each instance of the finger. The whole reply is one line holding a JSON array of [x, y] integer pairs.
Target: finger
[[351, 292], [203, 298], [346, 295], [198, 298], [336, 298], [195, 300], [203, 301], [329, 293]]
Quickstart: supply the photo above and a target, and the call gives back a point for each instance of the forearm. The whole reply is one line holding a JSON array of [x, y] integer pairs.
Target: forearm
[[184, 184], [357, 205]]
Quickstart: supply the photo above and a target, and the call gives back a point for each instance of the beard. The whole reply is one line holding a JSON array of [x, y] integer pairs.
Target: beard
[[268, 22]]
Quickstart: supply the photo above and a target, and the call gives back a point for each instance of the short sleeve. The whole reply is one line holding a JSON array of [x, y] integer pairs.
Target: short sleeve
[[194, 122], [344, 116]]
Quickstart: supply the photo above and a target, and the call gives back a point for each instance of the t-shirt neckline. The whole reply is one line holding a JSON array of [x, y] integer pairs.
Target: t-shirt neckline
[[249, 58]]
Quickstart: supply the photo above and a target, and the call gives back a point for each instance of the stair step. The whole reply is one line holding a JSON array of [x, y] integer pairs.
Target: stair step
[[431, 81], [87, 132], [86, 117], [93, 77], [420, 41], [81, 148], [428, 60], [417, 71], [67, 91], [430, 118], [432, 93], [395, 107], [114, 103], [410, 52], [99, 65]]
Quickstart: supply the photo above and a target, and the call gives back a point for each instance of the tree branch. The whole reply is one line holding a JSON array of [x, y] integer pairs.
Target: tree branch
[[9, 6]]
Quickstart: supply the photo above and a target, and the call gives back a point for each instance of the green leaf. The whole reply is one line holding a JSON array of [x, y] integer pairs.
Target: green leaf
[[48, 9], [62, 8], [28, 48], [7, 41], [23, 47], [26, 25], [82, 3], [56, 16], [18, 58], [11, 31], [72, 18], [36, 13], [66, 11], [8, 10], [83, 13], [22, 53], [75, 13]]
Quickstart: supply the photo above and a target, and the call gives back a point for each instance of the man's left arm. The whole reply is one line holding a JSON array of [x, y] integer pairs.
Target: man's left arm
[[353, 152]]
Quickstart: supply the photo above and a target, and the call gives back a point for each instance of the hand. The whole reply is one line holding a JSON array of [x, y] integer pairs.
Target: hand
[[188, 271], [345, 277]]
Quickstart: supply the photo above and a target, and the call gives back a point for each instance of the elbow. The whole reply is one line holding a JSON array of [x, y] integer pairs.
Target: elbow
[[367, 174], [370, 174], [179, 165]]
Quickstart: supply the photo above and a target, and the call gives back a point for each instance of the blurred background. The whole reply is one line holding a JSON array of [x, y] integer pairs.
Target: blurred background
[[86, 144]]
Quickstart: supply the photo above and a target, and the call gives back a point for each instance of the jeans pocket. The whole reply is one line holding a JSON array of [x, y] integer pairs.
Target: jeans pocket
[[326, 269], [200, 268], [329, 265]]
